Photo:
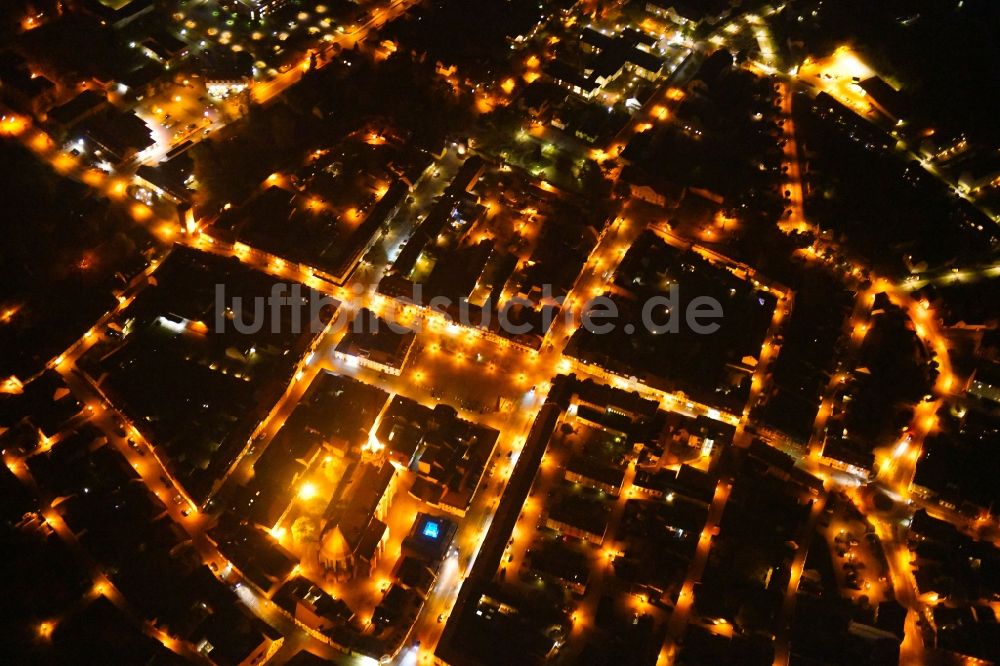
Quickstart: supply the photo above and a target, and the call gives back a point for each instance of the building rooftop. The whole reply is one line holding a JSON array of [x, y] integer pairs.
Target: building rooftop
[[575, 510], [86, 103], [431, 537], [377, 340], [596, 471]]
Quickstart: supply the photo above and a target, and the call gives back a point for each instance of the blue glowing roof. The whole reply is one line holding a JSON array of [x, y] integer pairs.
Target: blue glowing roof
[[432, 529]]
